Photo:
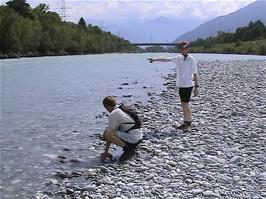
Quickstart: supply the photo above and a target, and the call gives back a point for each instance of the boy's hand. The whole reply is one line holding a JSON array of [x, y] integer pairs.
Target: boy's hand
[[151, 60], [104, 156], [196, 91]]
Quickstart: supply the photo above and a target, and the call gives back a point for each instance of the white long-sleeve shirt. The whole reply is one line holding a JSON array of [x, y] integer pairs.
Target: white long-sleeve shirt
[[184, 70]]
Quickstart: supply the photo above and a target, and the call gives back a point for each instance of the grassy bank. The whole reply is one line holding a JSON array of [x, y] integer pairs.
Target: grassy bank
[[257, 47]]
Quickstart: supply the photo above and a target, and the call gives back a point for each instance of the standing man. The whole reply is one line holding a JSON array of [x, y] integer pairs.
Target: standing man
[[186, 67], [121, 130]]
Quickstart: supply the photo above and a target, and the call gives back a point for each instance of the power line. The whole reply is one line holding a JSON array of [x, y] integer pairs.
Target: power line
[[151, 39], [63, 10]]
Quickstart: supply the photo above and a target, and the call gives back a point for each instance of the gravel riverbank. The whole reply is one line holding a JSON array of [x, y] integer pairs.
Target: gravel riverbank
[[223, 157]]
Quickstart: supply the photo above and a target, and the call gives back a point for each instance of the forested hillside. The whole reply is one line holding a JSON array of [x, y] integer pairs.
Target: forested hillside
[[26, 31], [249, 39], [228, 23]]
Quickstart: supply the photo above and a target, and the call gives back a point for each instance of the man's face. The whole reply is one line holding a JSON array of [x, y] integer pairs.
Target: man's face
[[183, 51]]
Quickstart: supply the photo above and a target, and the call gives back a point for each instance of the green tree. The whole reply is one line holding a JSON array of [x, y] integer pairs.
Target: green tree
[[96, 30], [10, 32], [82, 22], [20, 6], [45, 34], [41, 8]]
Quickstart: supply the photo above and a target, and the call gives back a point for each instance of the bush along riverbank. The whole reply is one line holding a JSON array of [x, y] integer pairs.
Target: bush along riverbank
[[222, 157], [245, 47]]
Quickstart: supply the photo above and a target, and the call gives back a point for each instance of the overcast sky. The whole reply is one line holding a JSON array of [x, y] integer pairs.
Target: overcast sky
[[113, 11]]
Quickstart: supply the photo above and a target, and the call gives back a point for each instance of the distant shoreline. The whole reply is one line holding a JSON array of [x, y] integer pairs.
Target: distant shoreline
[[257, 47], [18, 56]]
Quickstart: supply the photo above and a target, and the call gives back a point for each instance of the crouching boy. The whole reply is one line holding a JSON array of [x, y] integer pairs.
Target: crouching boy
[[124, 129]]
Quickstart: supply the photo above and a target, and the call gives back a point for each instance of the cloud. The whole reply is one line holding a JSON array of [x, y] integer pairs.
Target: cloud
[[121, 11], [114, 11]]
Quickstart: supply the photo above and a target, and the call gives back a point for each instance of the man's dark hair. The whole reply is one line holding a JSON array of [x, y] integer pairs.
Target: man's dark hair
[[109, 101], [183, 44]]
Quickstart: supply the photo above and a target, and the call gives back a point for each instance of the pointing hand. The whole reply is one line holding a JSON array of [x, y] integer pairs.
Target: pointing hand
[[150, 60]]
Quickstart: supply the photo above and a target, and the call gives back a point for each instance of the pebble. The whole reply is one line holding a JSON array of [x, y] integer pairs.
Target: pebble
[[106, 180], [196, 191], [200, 166], [90, 188], [235, 159], [16, 181], [141, 169], [209, 193]]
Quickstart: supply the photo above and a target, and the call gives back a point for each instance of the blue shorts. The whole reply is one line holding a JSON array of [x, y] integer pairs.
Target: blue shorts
[[128, 137]]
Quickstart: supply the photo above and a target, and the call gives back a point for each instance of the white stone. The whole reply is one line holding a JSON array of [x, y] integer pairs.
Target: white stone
[[252, 173], [16, 181], [106, 180], [209, 193], [89, 188], [141, 169], [200, 166], [196, 191], [235, 159], [236, 178]]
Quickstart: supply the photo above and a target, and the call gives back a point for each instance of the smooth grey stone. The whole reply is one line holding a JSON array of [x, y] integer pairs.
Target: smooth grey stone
[[51, 181], [106, 180], [141, 169], [200, 166], [89, 188], [91, 173], [211, 160], [235, 159], [196, 191], [167, 166], [16, 181], [209, 193], [236, 178]]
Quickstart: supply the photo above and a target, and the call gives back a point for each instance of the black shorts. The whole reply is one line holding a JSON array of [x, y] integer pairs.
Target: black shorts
[[185, 94]]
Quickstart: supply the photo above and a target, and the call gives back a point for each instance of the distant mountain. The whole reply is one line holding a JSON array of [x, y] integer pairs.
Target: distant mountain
[[228, 23], [161, 29]]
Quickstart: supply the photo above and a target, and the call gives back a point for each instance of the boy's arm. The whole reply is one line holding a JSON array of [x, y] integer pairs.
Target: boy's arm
[[105, 154], [196, 84], [196, 80], [159, 59], [107, 146]]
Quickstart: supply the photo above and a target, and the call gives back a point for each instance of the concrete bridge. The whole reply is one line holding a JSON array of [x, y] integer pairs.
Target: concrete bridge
[[155, 44]]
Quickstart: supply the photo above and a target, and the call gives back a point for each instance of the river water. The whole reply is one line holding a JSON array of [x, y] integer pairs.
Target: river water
[[50, 105]]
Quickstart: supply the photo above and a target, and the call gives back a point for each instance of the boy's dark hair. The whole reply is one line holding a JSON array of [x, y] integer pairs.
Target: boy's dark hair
[[109, 101], [183, 44]]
